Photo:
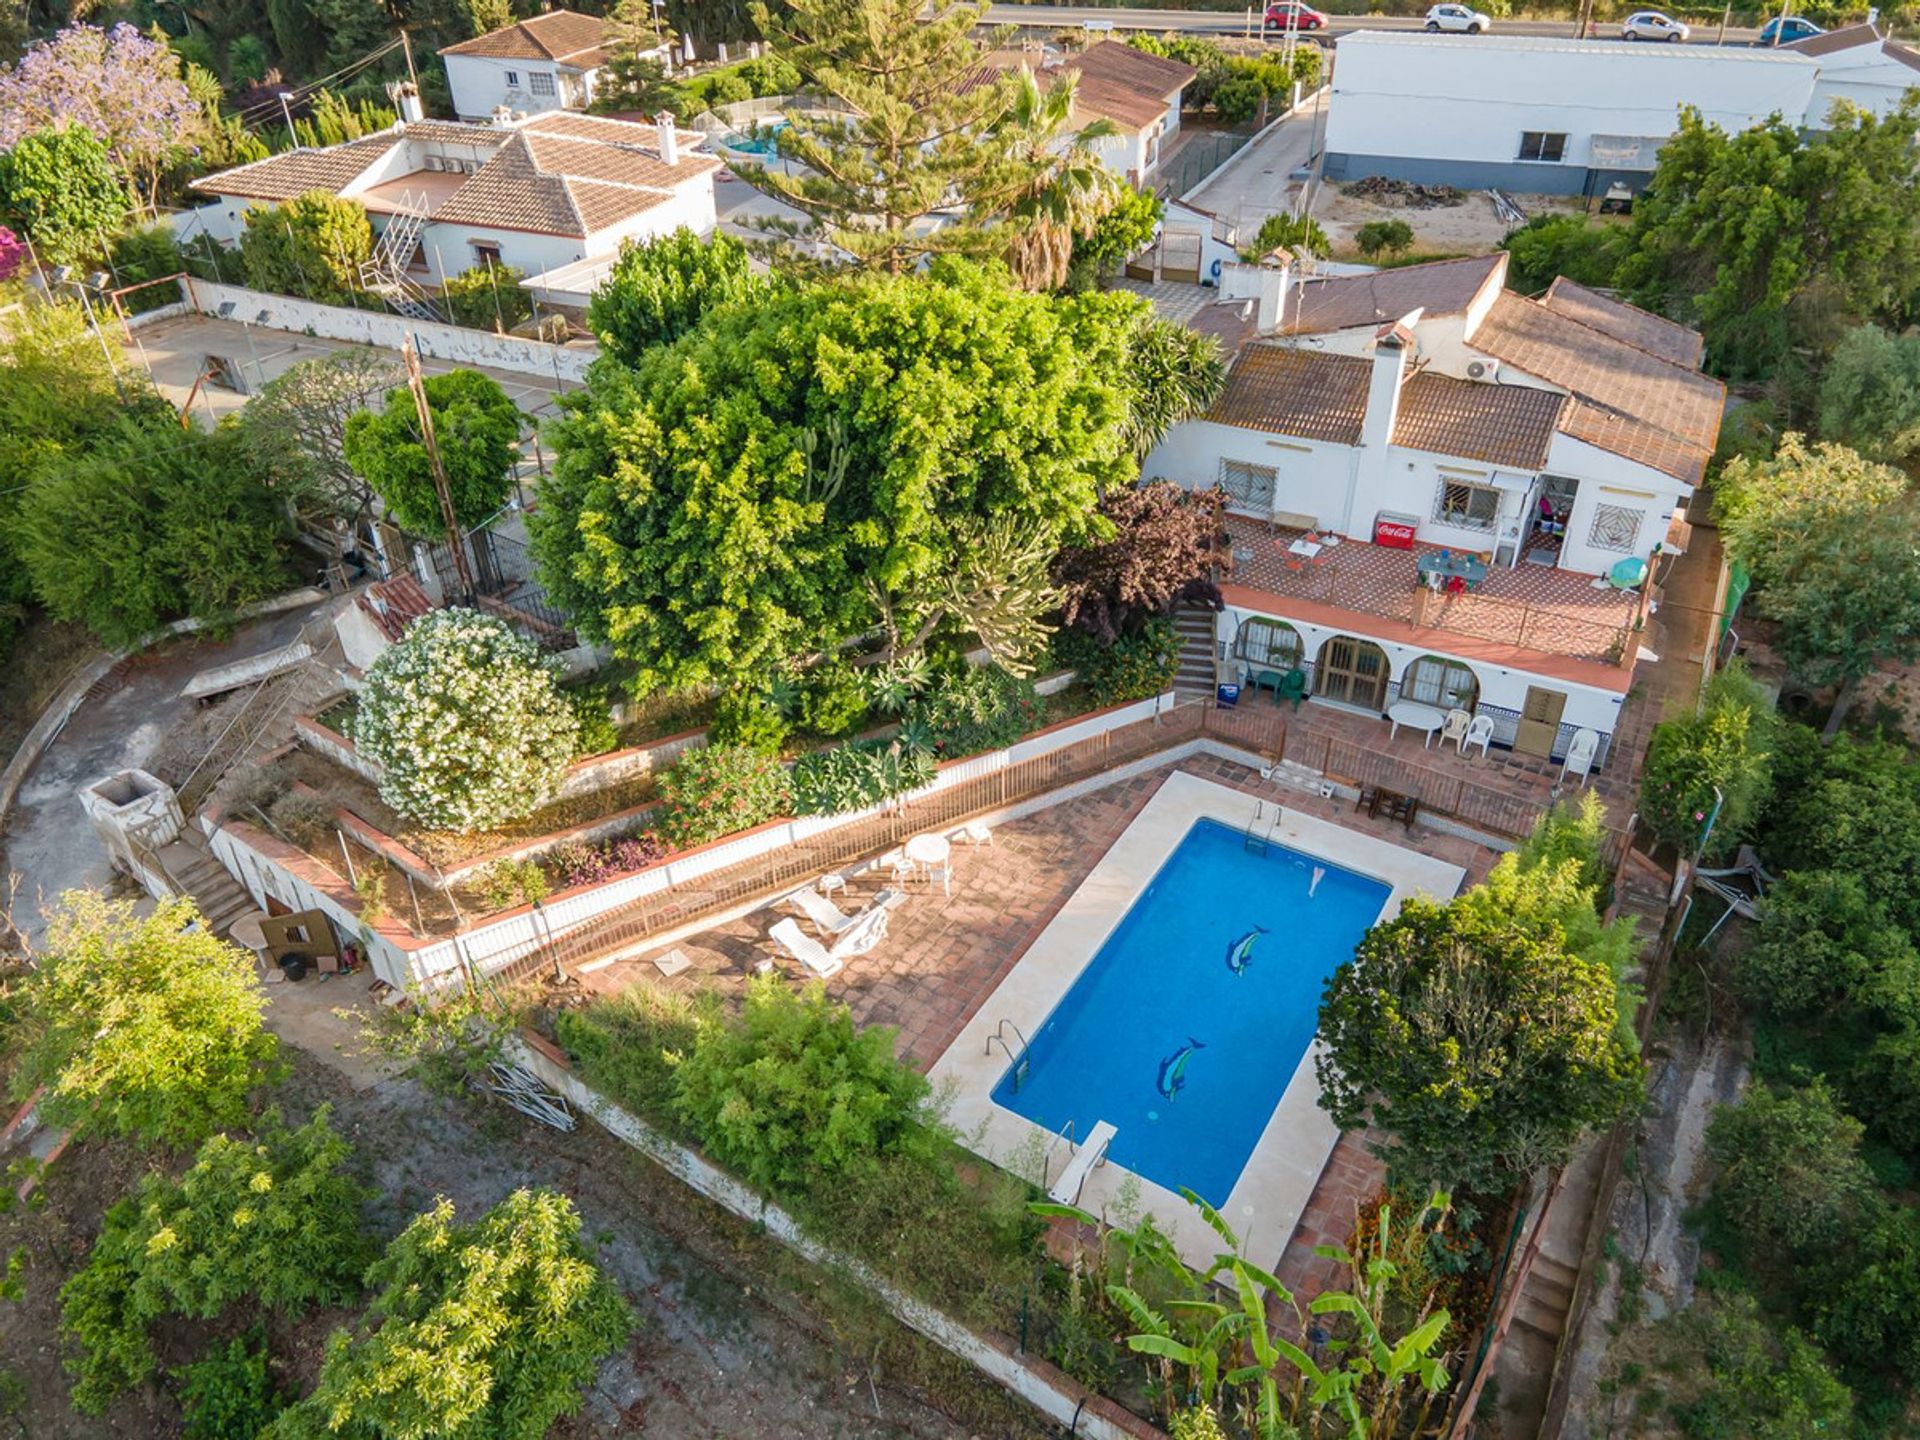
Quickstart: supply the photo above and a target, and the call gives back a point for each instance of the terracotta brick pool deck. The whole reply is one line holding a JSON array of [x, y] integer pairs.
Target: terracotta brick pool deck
[[945, 954]]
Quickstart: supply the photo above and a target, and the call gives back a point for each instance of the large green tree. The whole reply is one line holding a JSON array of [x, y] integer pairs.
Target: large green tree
[[746, 494], [1766, 237], [884, 175], [146, 1027], [1714, 759], [146, 522], [1834, 545], [1870, 394], [476, 426], [1482, 1038], [658, 289], [484, 1331], [1585, 250], [61, 188]]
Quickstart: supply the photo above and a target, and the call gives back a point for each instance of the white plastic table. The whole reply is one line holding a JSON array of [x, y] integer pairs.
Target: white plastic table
[[1306, 549], [1415, 716], [929, 851]]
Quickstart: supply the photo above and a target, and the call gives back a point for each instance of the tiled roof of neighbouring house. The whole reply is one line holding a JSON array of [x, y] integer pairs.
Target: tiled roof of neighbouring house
[[1444, 287], [562, 35], [1654, 333], [394, 604], [1296, 392], [1501, 424], [1628, 401]]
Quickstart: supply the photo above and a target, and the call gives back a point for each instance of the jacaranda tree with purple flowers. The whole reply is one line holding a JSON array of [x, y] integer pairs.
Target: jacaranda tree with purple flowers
[[117, 83]]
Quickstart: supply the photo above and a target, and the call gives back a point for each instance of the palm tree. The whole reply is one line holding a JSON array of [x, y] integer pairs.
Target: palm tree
[[1050, 185], [1174, 374]]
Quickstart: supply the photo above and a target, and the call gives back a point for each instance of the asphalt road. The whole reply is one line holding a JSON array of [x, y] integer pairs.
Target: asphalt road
[[1223, 22]]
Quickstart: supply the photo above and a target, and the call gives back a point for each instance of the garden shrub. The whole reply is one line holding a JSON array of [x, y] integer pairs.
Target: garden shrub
[[748, 719], [303, 817], [604, 859], [229, 1395], [593, 713], [833, 700], [487, 297], [1726, 744], [794, 1097], [856, 775], [979, 708], [1825, 950], [630, 1047], [1854, 807], [507, 883], [720, 790], [1745, 1377], [466, 723], [273, 1220], [484, 1331], [1132, 667]]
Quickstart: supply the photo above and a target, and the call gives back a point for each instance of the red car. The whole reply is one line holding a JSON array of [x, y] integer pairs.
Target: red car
[[1290, 16]]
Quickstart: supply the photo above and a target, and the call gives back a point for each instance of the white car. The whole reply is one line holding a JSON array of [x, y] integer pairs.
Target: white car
[[1458, 19], [1652, 25]]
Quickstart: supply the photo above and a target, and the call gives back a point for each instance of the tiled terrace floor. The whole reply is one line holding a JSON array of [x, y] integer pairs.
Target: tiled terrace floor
[[1532, 607], [944, 955]]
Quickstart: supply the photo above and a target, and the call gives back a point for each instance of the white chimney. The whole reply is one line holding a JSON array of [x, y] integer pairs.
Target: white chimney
[[503, 116], [1265, 284], [669, 137], [1393, 347], [411, 110]]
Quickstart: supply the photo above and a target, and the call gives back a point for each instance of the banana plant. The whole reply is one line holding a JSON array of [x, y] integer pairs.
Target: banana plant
[[1203, 1356]]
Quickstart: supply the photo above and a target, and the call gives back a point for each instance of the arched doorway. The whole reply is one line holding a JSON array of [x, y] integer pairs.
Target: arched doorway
[[1268, 644], [1352, 671], [1439, 682]]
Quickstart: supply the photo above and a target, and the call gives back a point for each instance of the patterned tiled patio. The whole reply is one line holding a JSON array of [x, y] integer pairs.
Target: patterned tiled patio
[[944, 955], [1531, 607]]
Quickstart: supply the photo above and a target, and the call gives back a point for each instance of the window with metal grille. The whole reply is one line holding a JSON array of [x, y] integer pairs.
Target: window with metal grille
[[540, 84], [1445, 683], [1248, 486], [1547, 145], [1469, 506], [1615, 527], [1261, 641]]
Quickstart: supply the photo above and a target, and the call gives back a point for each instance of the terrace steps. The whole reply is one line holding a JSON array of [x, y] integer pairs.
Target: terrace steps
[[1195, 626], [192, 871]]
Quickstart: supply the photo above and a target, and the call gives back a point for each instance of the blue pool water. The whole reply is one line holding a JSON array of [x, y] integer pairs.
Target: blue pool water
[[764, 140], [1162, 981]]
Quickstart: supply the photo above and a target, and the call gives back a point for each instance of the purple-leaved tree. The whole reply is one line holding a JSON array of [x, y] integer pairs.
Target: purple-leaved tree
[[13, 254], [117, 83]]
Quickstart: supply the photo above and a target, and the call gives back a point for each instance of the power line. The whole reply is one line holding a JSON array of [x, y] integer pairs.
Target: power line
[[249, 115]]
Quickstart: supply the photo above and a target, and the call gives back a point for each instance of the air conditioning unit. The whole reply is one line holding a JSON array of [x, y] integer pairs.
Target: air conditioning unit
[[1483, 370], [456, 167], [434, 162]]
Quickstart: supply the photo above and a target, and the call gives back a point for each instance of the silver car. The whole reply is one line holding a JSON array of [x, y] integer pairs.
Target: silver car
[[1652, 25]]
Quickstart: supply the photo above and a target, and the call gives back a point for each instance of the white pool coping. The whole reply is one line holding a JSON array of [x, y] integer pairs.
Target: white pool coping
[[1266, 1202]]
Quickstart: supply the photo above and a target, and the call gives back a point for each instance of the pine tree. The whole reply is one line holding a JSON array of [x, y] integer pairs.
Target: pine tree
[[914, 142]]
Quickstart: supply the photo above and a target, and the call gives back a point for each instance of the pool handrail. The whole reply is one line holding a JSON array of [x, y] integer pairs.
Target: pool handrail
[[1015, 1059]]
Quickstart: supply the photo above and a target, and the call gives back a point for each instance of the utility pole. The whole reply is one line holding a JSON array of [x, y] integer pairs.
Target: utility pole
[[416, 382], [406, 47]]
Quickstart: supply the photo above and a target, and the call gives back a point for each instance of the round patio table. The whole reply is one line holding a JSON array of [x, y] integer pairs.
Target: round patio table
[[929, 851], [1415, 716]]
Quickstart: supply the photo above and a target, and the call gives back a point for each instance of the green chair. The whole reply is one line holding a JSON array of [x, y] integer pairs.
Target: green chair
[[1258, 680], [1292, 689]]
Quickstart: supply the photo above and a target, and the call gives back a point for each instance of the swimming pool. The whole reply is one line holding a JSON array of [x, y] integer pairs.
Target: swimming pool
[[1187, 1025], [763, 139]]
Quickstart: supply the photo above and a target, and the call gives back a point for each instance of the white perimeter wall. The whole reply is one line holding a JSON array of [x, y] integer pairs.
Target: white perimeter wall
[[1464, 98], [389, 332]]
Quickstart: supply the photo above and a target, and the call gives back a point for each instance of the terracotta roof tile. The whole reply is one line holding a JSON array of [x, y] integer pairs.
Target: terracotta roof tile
[[1653, 333], [1444, 287], [1500, 424], [563, 35], [1296, 392], [510, 190], [618, 164], [1121, 64], [395, 604], [1632, 402], [282, 177]]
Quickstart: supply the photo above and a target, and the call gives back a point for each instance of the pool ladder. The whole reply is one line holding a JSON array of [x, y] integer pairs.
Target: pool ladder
[[1018, 1059], [1257, 839]]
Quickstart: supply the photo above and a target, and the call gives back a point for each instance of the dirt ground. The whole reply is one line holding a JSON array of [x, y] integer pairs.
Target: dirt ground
[[737, 1338], [1469, 228]]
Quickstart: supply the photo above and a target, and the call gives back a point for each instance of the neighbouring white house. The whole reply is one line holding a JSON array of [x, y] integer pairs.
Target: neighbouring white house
[[533, 192], [545, 62], [1859, 65], [1136, 93], [1545, 116], [1487, 480]]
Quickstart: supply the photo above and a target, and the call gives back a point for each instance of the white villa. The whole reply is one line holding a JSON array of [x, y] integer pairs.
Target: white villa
[[1406, 413], [545, 62], [1136, 93], [533, 192]]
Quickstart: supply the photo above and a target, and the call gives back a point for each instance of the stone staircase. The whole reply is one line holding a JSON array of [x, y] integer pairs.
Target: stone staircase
[[1195, 625], [1546, 1299], [192, 870]]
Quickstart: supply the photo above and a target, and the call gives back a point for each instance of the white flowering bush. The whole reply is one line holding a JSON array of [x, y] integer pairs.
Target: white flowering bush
[[466, 723]]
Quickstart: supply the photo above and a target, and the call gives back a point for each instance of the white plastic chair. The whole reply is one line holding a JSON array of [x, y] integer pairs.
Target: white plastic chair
[[1454, 727], [1580, 752], [1480, 733]]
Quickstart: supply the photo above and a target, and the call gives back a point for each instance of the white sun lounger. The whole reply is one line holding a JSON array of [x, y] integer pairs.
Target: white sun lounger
[[1066, 1190], [788, 935], [828, 918]]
